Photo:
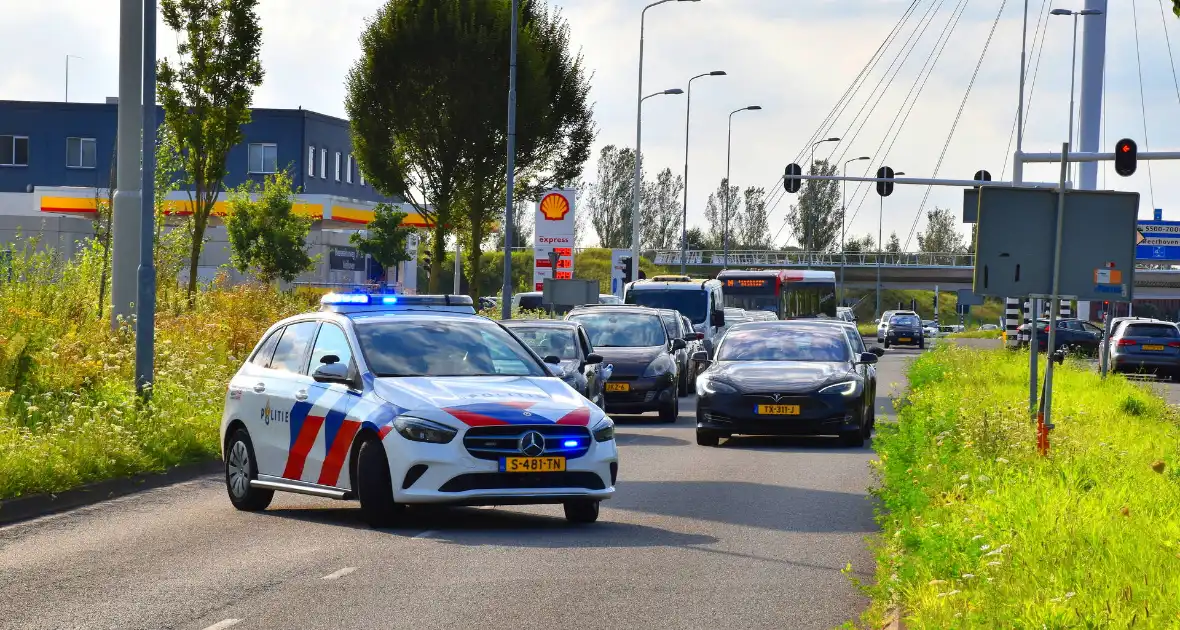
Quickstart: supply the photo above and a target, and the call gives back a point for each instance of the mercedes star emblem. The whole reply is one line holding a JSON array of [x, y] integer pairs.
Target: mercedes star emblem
[[532, 444]]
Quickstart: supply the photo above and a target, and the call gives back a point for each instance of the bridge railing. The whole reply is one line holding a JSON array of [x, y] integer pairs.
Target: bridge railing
[[767, 258]]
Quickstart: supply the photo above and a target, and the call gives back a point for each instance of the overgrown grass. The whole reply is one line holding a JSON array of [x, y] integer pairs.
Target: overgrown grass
[[68, 409], [979, 531], [977, 334]]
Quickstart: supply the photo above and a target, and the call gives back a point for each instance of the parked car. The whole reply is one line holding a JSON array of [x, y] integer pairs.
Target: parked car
[[581, 367], [1072, 334], [682, 356]]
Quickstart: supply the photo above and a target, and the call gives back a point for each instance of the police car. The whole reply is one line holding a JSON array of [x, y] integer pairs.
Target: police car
[[396, 400]]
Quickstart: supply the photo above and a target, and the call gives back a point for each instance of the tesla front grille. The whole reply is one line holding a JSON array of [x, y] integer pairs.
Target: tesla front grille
[[496, 442]]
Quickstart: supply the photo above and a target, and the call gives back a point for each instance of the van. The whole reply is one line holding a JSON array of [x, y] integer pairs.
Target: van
[[699, 300]]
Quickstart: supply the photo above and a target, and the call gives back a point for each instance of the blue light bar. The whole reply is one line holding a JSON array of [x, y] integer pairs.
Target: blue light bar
[[356, 302], [346, 298], [389, 299]]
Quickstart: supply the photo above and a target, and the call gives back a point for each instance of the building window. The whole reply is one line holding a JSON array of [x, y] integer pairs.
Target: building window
[[264, 158], [348, 173], [81, 153], [311, 161], [323, 164], [14, 150], [337, 166]]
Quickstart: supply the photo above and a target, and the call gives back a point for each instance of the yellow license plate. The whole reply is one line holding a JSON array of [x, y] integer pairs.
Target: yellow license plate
[[618, 387], [1151, 347], [778, 410], [532, 464], [903, 339]]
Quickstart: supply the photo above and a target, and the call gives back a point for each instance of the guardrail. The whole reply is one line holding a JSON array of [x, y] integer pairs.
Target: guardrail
[[768, 258]]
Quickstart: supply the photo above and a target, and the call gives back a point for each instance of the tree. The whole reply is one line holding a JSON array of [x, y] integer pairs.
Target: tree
[[865, 243], [815, 221], [103, 216], [715, 214], [385, 238], [941, 235], [265, 235], [755, 224], [522, 227], [894, 244], [206, 96], [610, 198], [660, 215], [697, 240], [171, 247]]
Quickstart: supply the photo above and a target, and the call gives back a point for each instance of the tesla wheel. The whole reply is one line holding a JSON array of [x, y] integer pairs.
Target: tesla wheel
[[374, 487], [856, 438], [670, 411], [240, 469], [707, 438], [581, 511]]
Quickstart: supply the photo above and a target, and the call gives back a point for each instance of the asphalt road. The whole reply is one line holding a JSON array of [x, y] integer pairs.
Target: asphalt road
[[750, 535]]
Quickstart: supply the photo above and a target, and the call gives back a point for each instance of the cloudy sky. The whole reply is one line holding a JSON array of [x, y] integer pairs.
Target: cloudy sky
[[795, 58]]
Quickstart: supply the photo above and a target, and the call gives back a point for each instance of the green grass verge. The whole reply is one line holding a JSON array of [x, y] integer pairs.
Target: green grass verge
[[977, 334], [979, 531]]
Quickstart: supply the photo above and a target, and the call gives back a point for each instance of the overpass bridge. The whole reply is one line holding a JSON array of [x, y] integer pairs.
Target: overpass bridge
[[901, 270]]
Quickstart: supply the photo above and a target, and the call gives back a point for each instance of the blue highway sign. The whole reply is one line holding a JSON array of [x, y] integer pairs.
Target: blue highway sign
[[1160, 242]]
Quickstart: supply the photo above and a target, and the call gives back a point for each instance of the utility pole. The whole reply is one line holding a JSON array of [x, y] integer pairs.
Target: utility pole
[[506, 295], [126, 211]]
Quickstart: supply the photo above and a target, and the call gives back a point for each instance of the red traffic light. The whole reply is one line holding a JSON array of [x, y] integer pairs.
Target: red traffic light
[[1126, 157], [1126, 148]]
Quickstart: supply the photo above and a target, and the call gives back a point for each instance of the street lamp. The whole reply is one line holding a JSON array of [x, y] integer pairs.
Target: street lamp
[[635, 189], [881, 245], [811, 169], [68, 57], [684, 216], [843, 221], [1074, 66], [728, 153]]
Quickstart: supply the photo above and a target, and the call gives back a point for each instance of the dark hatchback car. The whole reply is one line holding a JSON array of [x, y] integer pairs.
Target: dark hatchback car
[[1073, 334], [581, 367], [905, 330], [785, 378], [1150, 346], [634, 340], [676, 330]]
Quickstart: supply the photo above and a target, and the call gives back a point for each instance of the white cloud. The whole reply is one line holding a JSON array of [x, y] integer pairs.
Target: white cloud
[[794, 58]]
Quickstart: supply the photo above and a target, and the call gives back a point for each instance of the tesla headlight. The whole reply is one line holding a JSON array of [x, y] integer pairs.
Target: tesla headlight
[[847, 388], [604, 431], [707, 386], [660, 366], [420, 430]]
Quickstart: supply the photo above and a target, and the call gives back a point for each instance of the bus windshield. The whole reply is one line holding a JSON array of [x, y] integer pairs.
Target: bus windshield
[[691, 303]]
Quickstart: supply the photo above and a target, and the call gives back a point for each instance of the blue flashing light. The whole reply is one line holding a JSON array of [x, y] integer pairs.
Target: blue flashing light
[[345, 298], [389, 299], [570, 443]]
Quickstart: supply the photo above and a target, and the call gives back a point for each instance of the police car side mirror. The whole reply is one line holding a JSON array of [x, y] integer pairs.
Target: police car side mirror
[[332, 373], [553, 359]]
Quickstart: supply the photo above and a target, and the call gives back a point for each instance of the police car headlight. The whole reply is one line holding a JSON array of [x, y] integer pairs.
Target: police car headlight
[[847, 388], [419, 430], [661, 366], [604, 431]]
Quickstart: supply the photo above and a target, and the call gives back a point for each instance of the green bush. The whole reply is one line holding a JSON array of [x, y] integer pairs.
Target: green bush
[[979, 531], [68, 409]]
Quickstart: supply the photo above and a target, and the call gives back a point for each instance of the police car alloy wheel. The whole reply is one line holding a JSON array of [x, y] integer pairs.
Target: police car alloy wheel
[[374, 487], [240, 470]]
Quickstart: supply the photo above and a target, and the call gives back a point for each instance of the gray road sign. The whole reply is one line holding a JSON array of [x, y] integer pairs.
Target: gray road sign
[[967, 298], [1015, 238]]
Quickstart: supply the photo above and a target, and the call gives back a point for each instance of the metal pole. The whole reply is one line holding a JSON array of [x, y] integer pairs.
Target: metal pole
[[126, 211], [458, 270], [1105, 354], [1045, 420], [1090, 104], [1033, 357], [843, 226], [145, 303], [725, 219], [880, 233], [1017, 163], [67, 78], [1073, 73], [684, 213], [506, 293], [637, 184]]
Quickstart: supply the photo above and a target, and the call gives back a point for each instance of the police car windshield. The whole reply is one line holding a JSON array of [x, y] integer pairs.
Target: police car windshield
[[623, 330], [464, 347], [549, 341]]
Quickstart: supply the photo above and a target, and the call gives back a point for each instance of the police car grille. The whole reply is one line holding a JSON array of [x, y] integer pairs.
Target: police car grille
[[527, 481], [494, 443]]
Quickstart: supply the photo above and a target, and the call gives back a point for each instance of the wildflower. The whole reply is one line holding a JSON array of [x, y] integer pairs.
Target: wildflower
[[977, 537], [994, 563], [985, 547], [937, 582], [968, 576], [965, 478], [1001, 460], [983, 478]]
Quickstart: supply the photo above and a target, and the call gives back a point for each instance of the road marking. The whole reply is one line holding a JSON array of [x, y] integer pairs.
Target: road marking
[[426, 534], [339, 574], [223, 624]]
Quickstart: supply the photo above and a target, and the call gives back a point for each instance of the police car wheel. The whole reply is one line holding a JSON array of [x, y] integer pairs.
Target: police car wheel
[[240, 469], [374, 487], [581, 511]]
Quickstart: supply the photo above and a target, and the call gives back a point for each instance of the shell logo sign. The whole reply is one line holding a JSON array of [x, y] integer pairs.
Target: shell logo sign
[[554, 207]]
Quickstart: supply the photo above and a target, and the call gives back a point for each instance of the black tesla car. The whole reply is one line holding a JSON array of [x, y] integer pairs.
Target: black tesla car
[[581, 367], [785, 378], [634, 340]]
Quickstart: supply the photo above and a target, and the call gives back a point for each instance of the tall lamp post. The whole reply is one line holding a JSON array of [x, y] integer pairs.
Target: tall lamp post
[[844, 220], [728, 154], [68, 58], [636, 187], [881, 245], [811, 169], [506, 292], [1073, 70], [684, 214]]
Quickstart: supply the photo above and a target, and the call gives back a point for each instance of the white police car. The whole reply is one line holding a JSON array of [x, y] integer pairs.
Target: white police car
[[395, 400]]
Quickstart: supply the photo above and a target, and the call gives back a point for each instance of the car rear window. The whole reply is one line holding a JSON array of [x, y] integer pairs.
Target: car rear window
[[1163, 331]]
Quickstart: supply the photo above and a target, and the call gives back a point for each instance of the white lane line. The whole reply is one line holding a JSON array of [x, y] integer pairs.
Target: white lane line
[[223, 624], [339, 574], [426, 534]]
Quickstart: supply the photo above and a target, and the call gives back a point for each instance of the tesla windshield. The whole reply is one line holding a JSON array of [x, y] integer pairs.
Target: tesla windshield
[[783, 344]]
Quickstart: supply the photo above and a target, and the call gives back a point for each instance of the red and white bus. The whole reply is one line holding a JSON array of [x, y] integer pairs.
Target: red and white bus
[[788, 293]]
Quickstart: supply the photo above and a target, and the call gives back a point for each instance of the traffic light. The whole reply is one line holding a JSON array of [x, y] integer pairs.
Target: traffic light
[[884, 188], [982, 176], [1126, 157], [626, 260], [791, 179]]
